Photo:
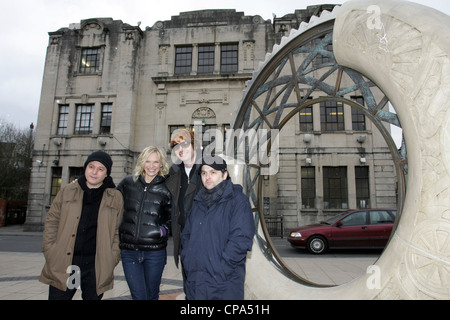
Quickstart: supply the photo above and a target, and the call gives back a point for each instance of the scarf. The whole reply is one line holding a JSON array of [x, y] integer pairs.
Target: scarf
[[85, 242], [211, 196]]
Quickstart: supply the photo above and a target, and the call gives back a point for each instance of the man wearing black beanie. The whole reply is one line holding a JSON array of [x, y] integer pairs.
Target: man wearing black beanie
[[101, 157], [81, 240]]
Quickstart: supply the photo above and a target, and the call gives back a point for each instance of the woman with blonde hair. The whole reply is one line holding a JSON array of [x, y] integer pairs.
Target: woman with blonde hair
[[145, 226]]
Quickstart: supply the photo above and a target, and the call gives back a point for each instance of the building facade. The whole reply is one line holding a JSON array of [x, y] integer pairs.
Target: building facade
[[113, 86]]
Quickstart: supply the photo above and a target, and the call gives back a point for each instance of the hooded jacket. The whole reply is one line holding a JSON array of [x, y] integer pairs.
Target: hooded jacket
[[215, 242], [60, 236], [147, 208]]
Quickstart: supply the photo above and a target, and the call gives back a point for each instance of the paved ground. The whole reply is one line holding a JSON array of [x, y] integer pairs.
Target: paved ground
[[332, 268], [21, 264]]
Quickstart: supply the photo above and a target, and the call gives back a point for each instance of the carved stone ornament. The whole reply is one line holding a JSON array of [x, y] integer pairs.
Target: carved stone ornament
[[203, 113]]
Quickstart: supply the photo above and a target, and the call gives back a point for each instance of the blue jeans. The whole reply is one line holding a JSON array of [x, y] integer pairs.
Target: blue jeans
[[143, 271]]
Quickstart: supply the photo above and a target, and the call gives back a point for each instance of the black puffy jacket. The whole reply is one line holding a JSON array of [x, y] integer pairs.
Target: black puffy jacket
[[147, 207]]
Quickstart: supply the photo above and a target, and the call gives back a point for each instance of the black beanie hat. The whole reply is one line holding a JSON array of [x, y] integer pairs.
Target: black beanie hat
[[215, 162], [101, 157]]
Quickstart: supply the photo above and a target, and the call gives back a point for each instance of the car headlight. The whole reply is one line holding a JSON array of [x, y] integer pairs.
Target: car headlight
[[296, 234]]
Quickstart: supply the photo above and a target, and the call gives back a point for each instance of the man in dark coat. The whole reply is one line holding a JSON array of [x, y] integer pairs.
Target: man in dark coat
[[217, 236], [183, 182]]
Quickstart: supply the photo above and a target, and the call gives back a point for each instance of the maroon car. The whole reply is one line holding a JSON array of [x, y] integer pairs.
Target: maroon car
[[356, 229]]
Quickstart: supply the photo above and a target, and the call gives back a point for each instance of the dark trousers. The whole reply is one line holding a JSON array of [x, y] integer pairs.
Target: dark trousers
[[143, 271], [87, 285]]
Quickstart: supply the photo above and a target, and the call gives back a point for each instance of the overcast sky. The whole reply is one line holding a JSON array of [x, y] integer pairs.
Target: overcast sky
[[24, 27]]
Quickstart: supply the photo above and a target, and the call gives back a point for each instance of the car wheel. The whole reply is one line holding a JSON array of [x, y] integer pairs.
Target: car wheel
[[317, 245]]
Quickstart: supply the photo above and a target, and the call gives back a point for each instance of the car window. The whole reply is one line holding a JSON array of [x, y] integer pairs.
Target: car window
[[334, 219], [354, 219], [379, 217]]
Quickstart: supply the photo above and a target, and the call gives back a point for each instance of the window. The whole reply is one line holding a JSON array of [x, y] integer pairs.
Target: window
[[63, 117], [85, 119], [355, 219], [358, 118], [56, 182], [381, 217], [183, 60], [306, 119], [332, 116], [362, 187], [105, 123], [75, 173], [206, 59], [308, 187], [90, 60], [229, 58], [335, 187]]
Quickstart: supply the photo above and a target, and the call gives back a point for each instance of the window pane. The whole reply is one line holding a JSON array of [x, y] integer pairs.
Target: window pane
[[335, 187], [308, 187], [56, 182], [183, 60], [206, 59], [306, 119], [332, 116], [105, 123], [84, 120], [380, 217], [62, 119], [362, 187], [229, 58], [355, 219], [90, 60], [358, 118]]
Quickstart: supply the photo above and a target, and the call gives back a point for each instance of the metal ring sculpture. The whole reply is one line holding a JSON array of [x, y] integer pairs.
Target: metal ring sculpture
[[407, 56]]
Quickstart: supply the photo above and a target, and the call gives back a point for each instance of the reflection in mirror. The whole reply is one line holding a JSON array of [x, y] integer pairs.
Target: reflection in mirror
[[315, 195]]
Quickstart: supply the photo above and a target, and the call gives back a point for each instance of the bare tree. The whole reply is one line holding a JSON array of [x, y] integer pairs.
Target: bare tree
[[16, 147]]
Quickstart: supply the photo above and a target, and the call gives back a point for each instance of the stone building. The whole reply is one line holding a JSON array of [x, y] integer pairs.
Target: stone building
[[113, 86]]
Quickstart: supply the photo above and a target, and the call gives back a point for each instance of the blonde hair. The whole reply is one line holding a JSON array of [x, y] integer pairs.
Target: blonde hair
[[139, 169]]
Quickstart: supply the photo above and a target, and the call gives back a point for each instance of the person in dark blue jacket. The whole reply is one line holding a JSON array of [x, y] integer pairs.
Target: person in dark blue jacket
[[217, 236]]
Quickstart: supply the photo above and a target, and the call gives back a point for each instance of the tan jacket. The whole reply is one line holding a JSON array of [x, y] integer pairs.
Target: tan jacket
[[60, 233]]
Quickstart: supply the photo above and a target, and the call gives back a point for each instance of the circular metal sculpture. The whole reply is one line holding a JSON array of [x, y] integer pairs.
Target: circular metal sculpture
[[403, 49]]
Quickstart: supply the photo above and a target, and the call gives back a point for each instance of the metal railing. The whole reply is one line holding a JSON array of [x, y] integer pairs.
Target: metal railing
[[275, 226]]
